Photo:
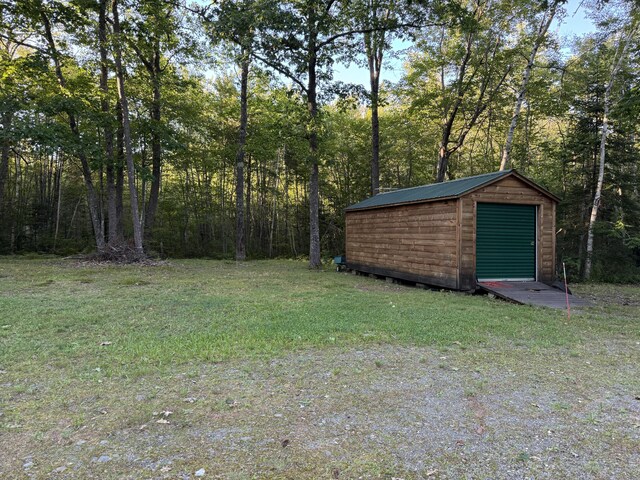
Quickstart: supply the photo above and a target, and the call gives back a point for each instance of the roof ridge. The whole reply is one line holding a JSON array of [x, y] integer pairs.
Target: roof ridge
[[448, 181], [452, 188]]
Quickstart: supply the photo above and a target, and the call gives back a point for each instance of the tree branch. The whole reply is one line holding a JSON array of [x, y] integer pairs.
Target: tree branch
[[147, 64], [284, 71], [12, 39], [357, 31]]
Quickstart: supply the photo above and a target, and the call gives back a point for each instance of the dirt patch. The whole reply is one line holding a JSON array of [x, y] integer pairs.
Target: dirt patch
[[615, 295], [616, 299], [89, 262]]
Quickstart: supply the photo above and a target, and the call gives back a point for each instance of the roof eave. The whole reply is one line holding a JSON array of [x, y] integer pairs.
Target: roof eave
[[399, 204]]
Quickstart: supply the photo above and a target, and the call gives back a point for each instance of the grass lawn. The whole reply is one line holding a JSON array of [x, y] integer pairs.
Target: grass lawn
[[269, 370]]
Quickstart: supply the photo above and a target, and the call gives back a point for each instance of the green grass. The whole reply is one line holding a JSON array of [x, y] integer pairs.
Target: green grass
[[57, 314]]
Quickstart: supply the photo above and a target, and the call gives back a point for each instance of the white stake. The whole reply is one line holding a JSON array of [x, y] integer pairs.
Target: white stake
[[566, 291]]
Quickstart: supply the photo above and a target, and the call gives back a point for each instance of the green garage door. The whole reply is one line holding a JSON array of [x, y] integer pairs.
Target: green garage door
[[505, 242]]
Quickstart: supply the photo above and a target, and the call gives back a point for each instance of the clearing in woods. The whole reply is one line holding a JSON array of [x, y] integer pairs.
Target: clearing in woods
[[269, 370]]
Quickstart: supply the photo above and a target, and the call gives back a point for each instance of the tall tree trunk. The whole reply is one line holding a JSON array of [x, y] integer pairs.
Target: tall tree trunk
[[112, 214], [58, 184], [314, 193], [92, 196], [374, 45], [141, 183], [156, 146], [242, 137], [443, 156], [505, 162], [598, 193], [312, 107], [7, 118], [112, 205], [137, 228], [16, 224], [274, 210], [247, 203], [527, 134], [152, 65], [449, 119], [119, 175], [617, 63], [375, 146]]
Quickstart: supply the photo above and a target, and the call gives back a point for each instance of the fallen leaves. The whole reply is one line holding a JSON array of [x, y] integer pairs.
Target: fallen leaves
[[164, 414]]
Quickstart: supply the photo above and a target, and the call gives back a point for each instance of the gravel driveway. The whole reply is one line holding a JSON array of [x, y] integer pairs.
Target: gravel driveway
[[384, 412]]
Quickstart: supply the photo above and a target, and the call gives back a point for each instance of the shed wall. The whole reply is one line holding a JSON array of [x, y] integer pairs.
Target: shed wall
[[414, 242], [508, 190]]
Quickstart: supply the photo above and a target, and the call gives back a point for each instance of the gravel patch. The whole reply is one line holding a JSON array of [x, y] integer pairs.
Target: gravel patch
[[382, 412]]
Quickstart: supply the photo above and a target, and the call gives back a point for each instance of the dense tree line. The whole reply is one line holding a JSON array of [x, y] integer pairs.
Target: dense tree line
[[218, 129]]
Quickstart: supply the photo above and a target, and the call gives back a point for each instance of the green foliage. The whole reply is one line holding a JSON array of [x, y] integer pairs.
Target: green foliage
[[43, 204], [616, 254]]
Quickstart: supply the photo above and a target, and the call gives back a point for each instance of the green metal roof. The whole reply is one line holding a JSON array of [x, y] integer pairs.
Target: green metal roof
[[452, 188]]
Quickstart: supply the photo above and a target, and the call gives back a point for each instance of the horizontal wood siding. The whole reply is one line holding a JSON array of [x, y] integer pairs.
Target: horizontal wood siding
[[508, 190], [435, 242], [414, 242]]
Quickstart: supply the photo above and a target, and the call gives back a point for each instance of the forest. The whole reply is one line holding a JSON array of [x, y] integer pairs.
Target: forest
[[225, 128]]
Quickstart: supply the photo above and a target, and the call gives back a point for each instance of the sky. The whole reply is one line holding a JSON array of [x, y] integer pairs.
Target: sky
[[575, 23]]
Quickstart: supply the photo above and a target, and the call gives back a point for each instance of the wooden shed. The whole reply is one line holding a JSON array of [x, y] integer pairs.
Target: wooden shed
[[496, 226]]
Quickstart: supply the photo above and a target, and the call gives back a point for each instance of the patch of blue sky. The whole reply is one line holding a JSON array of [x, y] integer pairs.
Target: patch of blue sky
[[574, 23]]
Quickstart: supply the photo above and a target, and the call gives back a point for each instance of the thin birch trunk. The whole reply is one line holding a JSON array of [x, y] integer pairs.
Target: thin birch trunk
[[505, 163], [617, 64]]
